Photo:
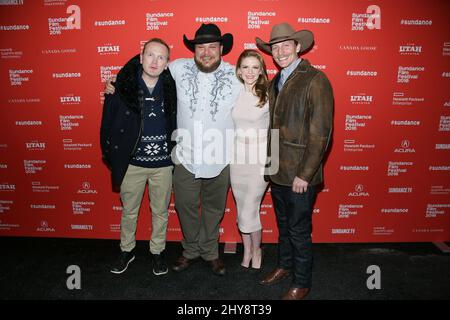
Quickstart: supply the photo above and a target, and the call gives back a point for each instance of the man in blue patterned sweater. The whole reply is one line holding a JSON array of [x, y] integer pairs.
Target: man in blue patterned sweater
[[207, 89], [137, 124]]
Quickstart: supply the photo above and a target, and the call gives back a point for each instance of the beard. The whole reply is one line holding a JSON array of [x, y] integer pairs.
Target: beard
[[209, 69]]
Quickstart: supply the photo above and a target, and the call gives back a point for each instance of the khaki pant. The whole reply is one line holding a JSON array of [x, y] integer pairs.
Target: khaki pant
[[131, 192], [200, 227]]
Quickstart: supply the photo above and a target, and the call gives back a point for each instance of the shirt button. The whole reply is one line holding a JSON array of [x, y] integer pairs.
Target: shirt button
[[122, 131], [116, 147], [127, 113]]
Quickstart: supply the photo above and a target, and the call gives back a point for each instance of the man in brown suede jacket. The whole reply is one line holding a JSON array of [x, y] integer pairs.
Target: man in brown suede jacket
[[301, 109]]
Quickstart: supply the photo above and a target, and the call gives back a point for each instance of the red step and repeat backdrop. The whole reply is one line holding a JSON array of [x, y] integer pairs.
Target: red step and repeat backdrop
[[387, 176]]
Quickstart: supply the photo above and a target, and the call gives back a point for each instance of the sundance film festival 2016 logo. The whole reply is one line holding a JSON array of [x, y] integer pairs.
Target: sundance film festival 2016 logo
[[157, 20], [18, 77], [406, 74], [370, 20], [82, 207], [33, 166], [72, 22], [444, 123], [395, 168], [68, 122], [257, 18], [435, 210], [355, 121], [106, 72], [346, 211]]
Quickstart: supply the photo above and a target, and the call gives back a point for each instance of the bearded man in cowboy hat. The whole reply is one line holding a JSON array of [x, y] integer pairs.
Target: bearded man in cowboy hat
[[301, 108], [207, 89]]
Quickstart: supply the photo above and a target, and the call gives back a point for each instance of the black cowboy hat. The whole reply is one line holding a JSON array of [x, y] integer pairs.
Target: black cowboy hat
[[210, 33]]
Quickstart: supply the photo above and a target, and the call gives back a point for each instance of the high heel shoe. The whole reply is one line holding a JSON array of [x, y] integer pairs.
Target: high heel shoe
[[258, 270], [246, 268]]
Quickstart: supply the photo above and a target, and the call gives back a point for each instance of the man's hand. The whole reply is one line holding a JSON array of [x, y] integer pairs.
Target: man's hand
[[299, 185], [109, 88]]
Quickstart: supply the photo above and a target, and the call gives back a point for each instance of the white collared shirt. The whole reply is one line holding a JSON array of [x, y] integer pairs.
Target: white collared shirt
[[205, 126]]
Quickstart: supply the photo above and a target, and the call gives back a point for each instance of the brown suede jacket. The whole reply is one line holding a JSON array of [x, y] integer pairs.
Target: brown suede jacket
[[303, 113]]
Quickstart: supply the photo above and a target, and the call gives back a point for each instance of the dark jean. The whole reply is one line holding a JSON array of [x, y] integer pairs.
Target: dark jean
[[294, 219]]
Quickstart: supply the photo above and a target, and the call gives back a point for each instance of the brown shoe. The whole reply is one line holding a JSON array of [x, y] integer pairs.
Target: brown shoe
[[217, 267], [275, 276], [295, 294], [182, 264]]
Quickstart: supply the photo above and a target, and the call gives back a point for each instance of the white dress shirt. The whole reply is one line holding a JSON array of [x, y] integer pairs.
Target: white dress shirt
[[205, 127]]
